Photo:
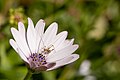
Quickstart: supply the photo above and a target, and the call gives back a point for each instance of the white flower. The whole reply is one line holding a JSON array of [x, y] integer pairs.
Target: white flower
[[84, 69], [43, 51]]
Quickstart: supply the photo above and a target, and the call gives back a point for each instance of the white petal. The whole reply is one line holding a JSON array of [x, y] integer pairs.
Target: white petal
[[60, 38], [50, 33], [39, 33], [65, 44], [21, 41], [62, 53], [66, 60], [21, 28], [40, 27], [31, 36], [16, 48], [69, 41], [13, 44]]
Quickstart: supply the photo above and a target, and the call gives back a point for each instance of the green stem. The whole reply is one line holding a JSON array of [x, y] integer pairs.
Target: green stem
[[28, 75]]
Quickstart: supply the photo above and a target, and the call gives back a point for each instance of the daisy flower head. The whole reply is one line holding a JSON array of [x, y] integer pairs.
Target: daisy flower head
[[43, 50]]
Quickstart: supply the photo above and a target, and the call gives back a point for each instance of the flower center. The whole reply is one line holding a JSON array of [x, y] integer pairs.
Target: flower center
[[37, 60]]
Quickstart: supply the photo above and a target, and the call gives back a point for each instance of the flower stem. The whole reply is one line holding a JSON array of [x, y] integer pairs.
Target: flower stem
[[28, 75]]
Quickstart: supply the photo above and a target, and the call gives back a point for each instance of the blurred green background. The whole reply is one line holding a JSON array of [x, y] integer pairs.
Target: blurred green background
[[95, 25]]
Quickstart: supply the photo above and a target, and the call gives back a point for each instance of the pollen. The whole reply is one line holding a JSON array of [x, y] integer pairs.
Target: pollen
[[37, 60]]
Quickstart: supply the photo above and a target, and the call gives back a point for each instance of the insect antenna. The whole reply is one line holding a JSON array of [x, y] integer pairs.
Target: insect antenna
[[41, 40]]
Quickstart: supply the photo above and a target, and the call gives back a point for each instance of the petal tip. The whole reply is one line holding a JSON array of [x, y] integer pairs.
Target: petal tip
[[29, 20], [41, 21], [10, 41], [19, 23], [65, 32], [13, 29], [76, 45], [72, 39], [55, 23], [76, 56]]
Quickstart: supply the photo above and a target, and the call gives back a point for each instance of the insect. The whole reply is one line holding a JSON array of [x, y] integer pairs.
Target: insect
[[45, 50], [48, 50]]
